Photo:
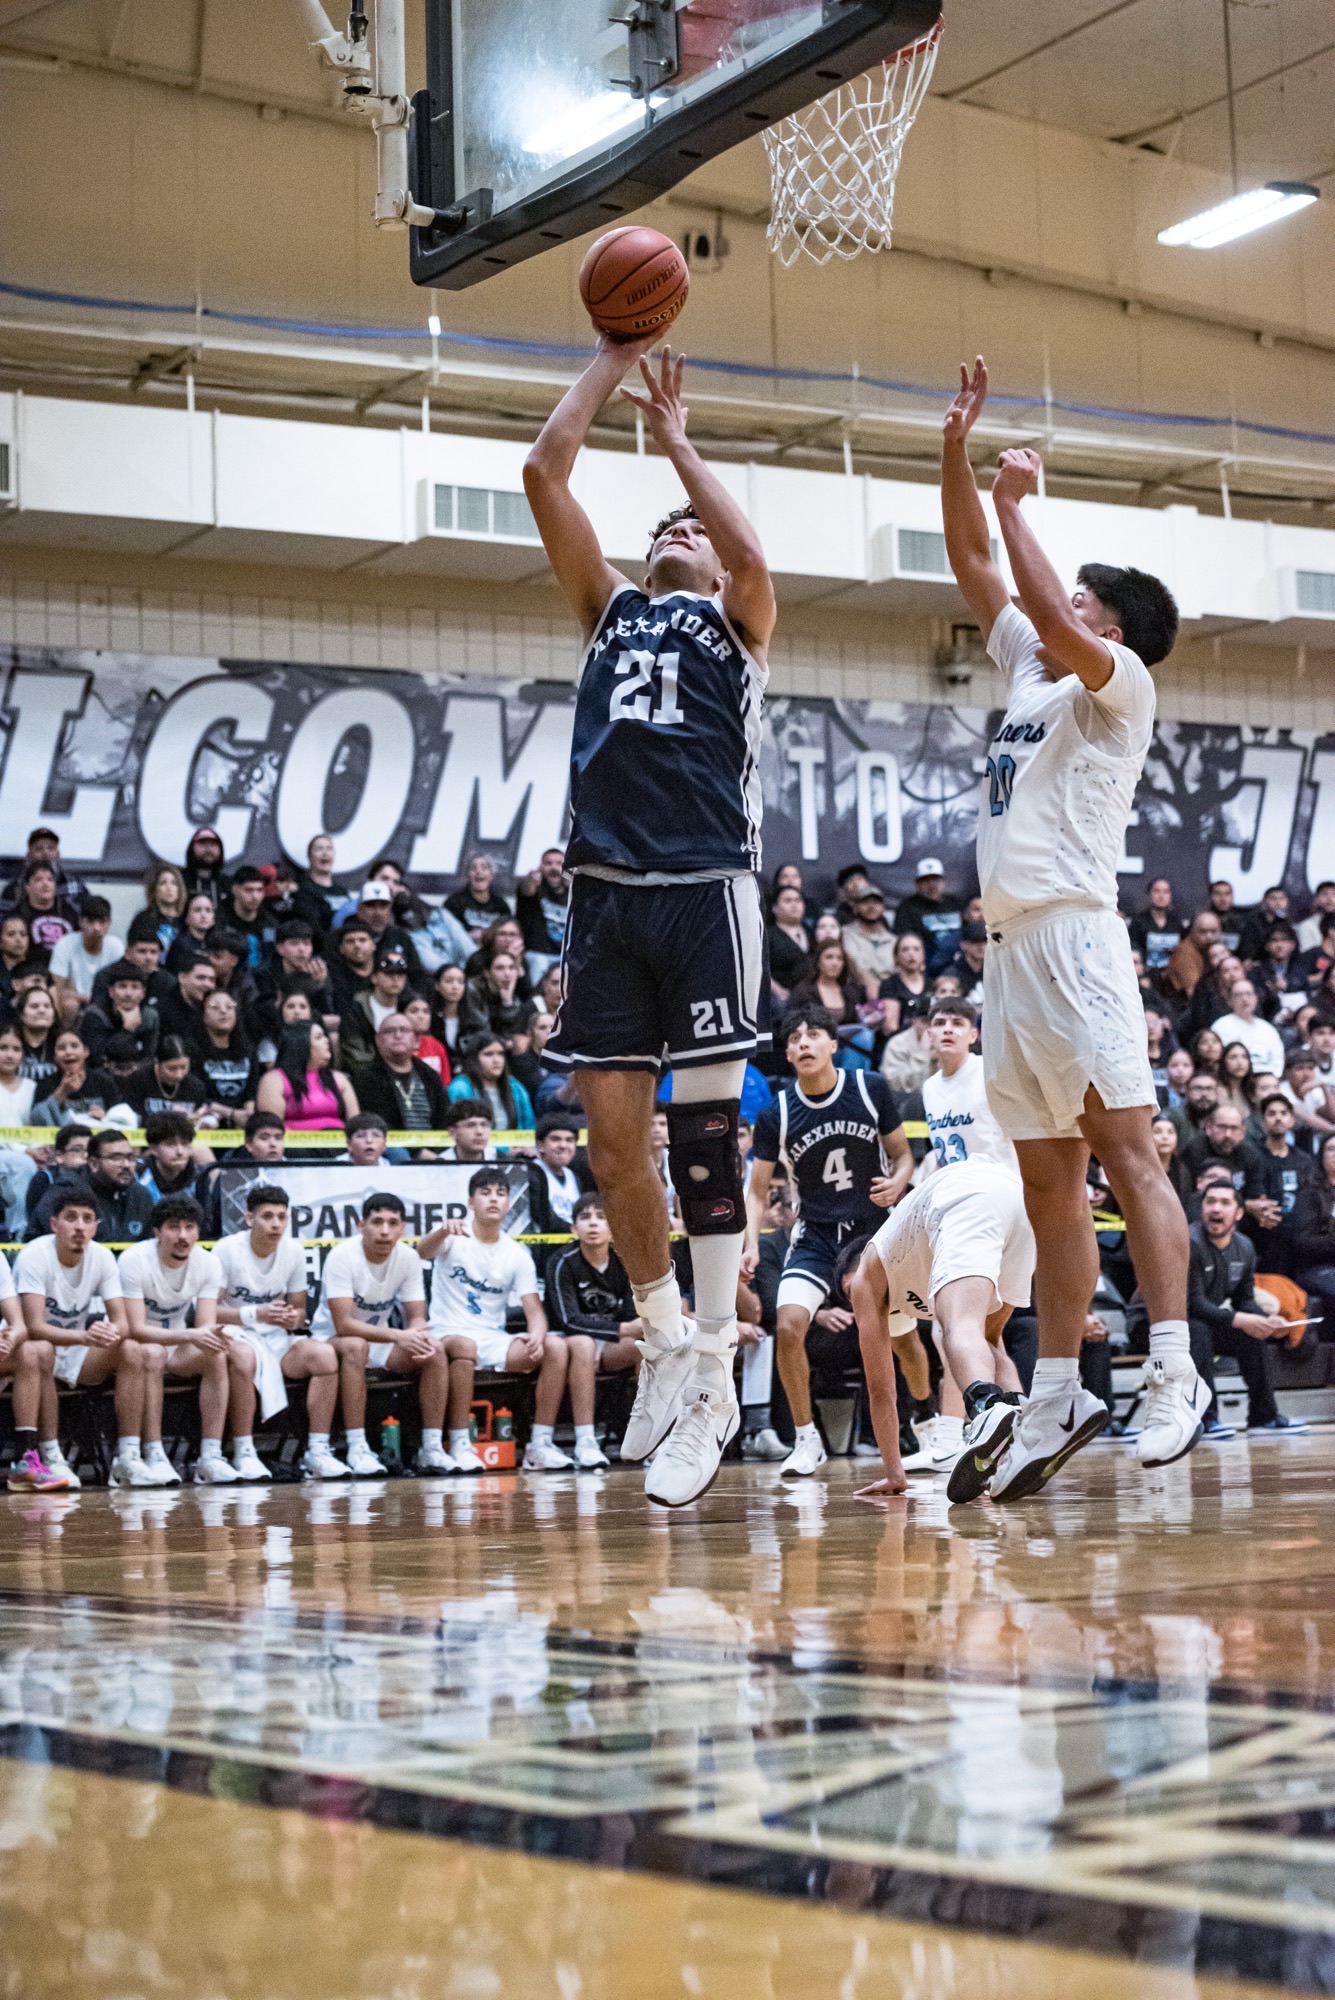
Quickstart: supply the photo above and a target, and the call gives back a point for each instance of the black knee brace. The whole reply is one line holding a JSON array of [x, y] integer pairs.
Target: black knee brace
[[706, 1166]]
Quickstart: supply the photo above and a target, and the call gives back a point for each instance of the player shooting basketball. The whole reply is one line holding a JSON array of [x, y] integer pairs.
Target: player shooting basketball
[[1064, 1044], [664, 961]]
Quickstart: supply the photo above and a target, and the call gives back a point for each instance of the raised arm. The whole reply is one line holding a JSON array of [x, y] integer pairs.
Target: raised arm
[[748, 594], [968, 544], [1069, 647], [582, 570]]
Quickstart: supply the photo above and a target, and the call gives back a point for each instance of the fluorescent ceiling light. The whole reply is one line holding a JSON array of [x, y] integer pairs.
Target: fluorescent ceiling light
[[1240, 215]]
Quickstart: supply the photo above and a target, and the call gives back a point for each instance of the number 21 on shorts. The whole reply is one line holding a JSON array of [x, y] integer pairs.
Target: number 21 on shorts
[[710, 1018]]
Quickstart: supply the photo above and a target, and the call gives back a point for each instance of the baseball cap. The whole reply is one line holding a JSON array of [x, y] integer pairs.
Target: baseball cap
[[391, 960], [866, 895], [375, 892], [973, 933], [929, 865]]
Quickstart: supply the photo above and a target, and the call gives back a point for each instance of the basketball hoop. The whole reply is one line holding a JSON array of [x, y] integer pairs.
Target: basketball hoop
[[833, 165]]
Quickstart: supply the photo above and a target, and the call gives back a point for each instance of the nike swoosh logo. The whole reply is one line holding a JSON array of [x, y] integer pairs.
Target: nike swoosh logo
[[1069, 1425]]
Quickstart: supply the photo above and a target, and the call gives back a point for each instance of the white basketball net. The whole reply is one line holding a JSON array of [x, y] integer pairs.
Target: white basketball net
[[833, 164]]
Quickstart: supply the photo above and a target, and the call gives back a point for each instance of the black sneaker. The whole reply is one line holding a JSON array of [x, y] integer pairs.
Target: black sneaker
[[1216, 1431], [986, 1435], [1279, 1422]]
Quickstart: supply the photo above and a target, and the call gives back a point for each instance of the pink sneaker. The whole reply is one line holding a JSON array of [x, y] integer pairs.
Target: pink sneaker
[[30, 1474]]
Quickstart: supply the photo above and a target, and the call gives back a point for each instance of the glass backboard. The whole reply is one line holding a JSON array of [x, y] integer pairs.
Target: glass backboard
[[543, 118]]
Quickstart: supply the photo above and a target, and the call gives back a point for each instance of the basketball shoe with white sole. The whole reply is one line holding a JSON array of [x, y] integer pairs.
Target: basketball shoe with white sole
[[986, 1436], [1172, 1416], [688, 1464], [807, 1456], [665, 1369], [1045, 1434]]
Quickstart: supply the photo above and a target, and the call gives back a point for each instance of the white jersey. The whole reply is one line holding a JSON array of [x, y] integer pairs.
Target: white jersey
[[473, 1284], [250, 1281], [69, 1291], [169, 1294], [1061, 776], [969, 1222], [375, 1289], [960, 1123]]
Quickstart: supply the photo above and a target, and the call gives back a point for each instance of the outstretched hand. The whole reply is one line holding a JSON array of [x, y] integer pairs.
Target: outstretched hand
[[1018, 473], [662, 408], [967, 407]]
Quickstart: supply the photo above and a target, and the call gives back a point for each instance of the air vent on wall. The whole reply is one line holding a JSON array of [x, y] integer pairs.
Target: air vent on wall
[[476, 512], [1307, 593], [916, 554]]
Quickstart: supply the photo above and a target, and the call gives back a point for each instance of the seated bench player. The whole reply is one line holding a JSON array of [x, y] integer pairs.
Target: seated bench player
[[39, 1464], [164, 1282], [475, 1272], [264, 1300], [591, 1305], [58, 1279], [365, 1280], [958, 1249]]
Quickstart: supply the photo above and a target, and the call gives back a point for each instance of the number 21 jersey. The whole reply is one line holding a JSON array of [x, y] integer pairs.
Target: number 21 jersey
[[665, 755]]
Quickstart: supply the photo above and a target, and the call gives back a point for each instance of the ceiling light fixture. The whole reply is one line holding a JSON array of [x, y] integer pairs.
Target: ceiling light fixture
[[1240, 214]]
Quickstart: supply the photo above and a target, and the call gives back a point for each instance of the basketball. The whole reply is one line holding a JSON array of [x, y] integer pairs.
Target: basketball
[[633, 281]]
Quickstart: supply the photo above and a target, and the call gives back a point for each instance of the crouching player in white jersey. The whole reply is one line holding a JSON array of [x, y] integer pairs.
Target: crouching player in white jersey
[[163, 1282], [1065, 1048], [958, 1250], [476, 1272], [263, 1304]]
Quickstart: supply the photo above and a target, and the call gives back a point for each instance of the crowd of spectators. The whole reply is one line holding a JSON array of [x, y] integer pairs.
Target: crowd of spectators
[[288, 1004]]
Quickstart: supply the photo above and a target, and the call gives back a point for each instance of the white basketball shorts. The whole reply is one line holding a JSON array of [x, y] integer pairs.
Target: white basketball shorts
[[968, 1221], [1061, 1011]]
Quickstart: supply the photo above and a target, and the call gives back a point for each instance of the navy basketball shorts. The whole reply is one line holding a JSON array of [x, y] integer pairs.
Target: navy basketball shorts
[[661, 978], [807, 1278]]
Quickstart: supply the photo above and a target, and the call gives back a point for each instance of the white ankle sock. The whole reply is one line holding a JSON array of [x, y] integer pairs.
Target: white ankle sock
[[541, 1434], [154, 1453], [659, 1307], [242, 1446], [431, 1440], [356, 1437], [127, 1447], [458, 1439], [50, 1451], [1053, 1376], [805, 1431], [210, 1448], [317, 1441], [583, 1433], [1169, 1338]]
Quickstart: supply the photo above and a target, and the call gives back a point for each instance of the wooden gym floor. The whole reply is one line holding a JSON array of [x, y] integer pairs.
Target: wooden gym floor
[[530, 1737]]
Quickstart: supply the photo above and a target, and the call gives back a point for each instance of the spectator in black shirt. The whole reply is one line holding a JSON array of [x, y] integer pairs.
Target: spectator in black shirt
[[143, 950], [224, 1062], [1312, 1238], [406, 1093], [165, 1084], [541, 901], [203, 869], [36, 1023], [122, 1010], [15, 948], [476, 905], [295, 969], [123, 1208], [907, 992], [369, 1011], [932, 915], [1157, 932], [182, 1014], [1310, 966], [788, 939], [589, 1300], [190, 942], [244, 911], [351, 962], [375, 909], [1257, 923], [318, 895], [1224, 1315], [168, 1165], [557, 1177], [79, 1091], [1288, 1170], [1223, 1143], [43, 845], [67, 1168]]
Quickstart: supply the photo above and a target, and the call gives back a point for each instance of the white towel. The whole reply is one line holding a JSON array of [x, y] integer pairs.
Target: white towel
[[270, 1382]]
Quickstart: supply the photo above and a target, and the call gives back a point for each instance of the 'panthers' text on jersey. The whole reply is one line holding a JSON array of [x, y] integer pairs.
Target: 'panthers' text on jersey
[[960, 1123], [665, 756], [831, 1145]]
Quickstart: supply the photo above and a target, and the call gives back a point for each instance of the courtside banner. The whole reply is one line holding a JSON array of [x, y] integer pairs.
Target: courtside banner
[[327, 1200], [125, 754]]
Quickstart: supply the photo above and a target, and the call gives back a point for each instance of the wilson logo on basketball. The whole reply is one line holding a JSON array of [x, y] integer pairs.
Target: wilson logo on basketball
[[653, 284]]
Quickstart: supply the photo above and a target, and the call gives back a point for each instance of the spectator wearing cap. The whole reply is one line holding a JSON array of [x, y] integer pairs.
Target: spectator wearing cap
[[295, 969], [43, 845], [932, 913], [375, 909], [477, 905], [408, 1095], [122, 1010], [849, 884], [967, 964], [203, 869], [182, 1013], [243, 910], [77, 958], [361, 1024], [869, 940]]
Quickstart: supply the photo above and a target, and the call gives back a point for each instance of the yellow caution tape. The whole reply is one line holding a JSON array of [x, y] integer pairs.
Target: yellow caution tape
[[223, 1139]]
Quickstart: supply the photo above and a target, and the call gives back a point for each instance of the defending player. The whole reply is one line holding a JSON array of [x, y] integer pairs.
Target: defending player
[[664, 961], [839, 1134], [1066, 1060], [958, 1250]]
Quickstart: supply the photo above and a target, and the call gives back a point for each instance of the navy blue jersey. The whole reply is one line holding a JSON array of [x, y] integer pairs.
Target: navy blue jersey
[[831, 1145], [665, 759]]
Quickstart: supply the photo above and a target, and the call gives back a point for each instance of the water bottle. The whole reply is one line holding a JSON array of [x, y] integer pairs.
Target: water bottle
[[391, 1443], [504, 1427]]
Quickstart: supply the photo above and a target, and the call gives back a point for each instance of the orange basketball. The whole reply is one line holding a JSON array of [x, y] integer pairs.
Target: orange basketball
[[633, 281]]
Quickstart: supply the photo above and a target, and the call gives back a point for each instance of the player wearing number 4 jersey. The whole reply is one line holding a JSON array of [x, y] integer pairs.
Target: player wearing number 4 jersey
[[838, 1133], [663, 963], [1065, 1049]]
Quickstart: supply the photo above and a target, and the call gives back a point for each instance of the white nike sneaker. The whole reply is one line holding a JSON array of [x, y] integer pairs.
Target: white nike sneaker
[[947, 1443], [764, 1446], [589, 1455], [363, 1463], [924, 1458], [467, 1459], [545, 1458], [1045, 1434], [807, 1456], [431, 1461], [249, 1465], [318, 1462], [986, 1435], [664, 1373], [1172, 1416], [160, 1468], [213, 1472], [59, 1463], [688, 1464], [131, 1472]]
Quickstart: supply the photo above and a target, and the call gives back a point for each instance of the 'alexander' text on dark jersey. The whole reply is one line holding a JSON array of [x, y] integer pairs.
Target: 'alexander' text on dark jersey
[[831, 1146], [665, 757]]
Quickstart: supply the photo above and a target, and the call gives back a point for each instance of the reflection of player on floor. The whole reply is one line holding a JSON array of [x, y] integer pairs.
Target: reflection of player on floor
[[839, 1135], [1065, 1048], [663, 959], [959, 1250]]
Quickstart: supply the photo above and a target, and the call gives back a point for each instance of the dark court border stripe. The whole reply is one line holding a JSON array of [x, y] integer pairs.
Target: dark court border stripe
[[640, 1843]]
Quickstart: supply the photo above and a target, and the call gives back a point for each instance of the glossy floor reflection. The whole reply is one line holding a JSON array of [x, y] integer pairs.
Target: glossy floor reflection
[[1094, 1732]]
